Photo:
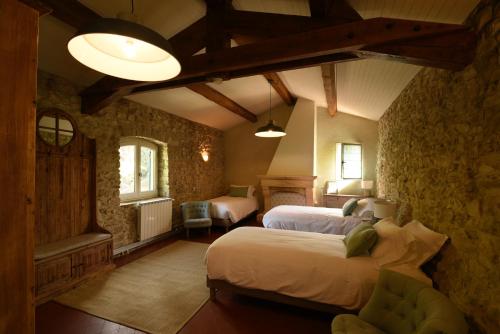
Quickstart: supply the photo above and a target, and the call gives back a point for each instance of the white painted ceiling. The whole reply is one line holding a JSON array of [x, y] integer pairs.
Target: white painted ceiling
[[365, 87]]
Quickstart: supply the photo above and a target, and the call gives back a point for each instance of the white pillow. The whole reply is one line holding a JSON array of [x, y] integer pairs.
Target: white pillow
[[364, 205], [395, 245], [251, 189], [428, 242]]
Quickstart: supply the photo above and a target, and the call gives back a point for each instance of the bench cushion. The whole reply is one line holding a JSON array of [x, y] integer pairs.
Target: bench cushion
[[61, 246]]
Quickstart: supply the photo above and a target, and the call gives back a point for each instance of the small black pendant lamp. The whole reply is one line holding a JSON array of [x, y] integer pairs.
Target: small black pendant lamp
[[125, 50], [270, 130]]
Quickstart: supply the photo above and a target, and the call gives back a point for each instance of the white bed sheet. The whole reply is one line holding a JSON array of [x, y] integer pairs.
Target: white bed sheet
[[305, 265], [310, 219], [233, 208]]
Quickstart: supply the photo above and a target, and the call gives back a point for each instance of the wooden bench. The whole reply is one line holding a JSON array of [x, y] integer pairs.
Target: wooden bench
[[63, 264]]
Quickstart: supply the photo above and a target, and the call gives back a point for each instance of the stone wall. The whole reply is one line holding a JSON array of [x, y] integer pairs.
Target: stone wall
[[188, 177], [439, 156]]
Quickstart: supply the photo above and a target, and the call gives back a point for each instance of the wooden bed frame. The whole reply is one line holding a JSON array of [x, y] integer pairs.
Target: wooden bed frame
[[227, 222], [215, 285]]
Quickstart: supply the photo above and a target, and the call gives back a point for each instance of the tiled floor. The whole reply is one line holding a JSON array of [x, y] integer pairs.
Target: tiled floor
[[227, 315]]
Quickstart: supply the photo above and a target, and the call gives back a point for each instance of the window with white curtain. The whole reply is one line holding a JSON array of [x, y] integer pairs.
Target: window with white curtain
[[138, 169]]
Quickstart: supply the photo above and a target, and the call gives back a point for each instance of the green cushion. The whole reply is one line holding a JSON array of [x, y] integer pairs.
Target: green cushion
[[349, 206], [238, 191], [360, 240]]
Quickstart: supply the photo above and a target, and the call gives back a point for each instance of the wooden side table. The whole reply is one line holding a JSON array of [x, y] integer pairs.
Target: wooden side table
[[337, 200]]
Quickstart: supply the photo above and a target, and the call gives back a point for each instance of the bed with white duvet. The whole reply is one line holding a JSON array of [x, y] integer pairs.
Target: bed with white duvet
[[233, 209], [313, 266], [310, 219], [228, 210]]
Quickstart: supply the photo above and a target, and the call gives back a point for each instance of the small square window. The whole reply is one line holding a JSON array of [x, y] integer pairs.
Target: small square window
[[351, 161]]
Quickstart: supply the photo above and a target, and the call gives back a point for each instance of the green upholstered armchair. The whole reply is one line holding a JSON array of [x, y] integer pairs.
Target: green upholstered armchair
[[403, 305], [196, 215]]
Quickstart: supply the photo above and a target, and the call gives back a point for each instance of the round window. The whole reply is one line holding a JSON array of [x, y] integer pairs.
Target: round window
[[55, 128]]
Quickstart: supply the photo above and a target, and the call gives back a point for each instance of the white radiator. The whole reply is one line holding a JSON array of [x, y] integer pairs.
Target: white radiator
[[155, 218]]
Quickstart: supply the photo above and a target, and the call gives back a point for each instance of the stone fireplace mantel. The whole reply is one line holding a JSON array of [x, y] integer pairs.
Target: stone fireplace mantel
[[271, 184]]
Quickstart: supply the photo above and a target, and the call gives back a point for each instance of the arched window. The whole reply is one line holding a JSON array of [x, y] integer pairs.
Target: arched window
[[138, 169]]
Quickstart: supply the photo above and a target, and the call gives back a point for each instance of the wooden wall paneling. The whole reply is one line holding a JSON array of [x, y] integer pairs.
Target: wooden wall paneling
[[41, 176], [18, 56], [84, 217]]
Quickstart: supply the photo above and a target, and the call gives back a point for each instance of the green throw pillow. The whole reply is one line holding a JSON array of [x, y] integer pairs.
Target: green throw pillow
[[238, 191], [349, 206], [360, 240]]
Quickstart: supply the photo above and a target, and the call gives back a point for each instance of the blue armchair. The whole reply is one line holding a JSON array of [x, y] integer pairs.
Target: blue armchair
[[196, 215]]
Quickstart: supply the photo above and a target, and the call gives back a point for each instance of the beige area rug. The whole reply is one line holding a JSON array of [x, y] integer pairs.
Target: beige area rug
[[157, 293]]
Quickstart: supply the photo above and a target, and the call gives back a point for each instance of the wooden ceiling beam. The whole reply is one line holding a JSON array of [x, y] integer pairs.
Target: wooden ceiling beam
[[269, 25], [276, 54], [272, 77], [337, 11], [71, 12], [330, 86], [256, 70], [451, 51], [222, 100], [190, 40], [280, 87], [216, 37]]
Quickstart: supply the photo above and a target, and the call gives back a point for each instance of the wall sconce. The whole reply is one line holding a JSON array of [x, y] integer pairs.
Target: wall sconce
[[204, 154]]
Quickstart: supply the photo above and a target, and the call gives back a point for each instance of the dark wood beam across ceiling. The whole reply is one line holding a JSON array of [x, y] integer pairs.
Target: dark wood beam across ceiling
[[222, 100], [280, 87], [299, 42], [330, 86], [293, 51], [245, 72], [71, 12], [338, 11]]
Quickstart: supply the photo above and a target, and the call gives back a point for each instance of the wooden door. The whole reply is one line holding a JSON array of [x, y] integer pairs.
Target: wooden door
[[18, 59], [65, 177]]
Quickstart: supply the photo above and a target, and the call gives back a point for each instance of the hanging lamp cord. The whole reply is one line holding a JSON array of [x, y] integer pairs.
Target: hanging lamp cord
[[270, 117], [132, 6]]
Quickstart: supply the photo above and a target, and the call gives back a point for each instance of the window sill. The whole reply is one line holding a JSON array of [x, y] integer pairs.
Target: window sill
[[145, 201]]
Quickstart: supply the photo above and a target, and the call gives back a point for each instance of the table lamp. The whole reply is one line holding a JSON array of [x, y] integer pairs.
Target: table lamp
[[383, 209], [367, 186]]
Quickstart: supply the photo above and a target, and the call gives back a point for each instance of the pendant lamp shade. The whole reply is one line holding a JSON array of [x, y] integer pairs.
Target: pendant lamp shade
[[125, 50], [270, 130]]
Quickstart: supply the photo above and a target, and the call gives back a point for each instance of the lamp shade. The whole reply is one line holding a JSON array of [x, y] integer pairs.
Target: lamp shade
[[367, 184], [270, 130], [384, 209], [125, 50]]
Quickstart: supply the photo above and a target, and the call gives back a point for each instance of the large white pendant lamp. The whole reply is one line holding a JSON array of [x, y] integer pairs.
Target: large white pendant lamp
[[125, 50], [270, 130]]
